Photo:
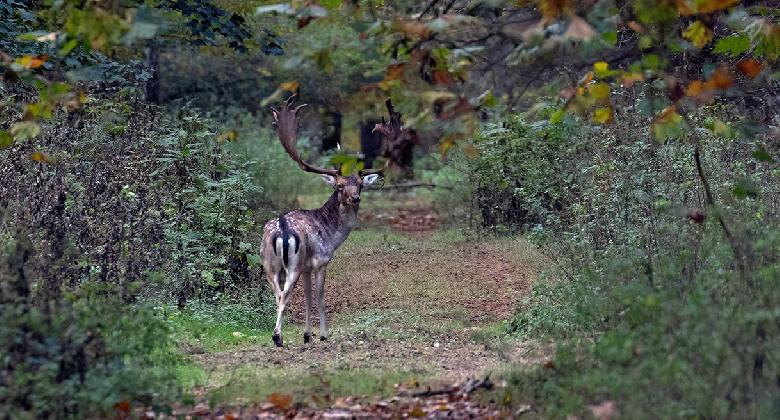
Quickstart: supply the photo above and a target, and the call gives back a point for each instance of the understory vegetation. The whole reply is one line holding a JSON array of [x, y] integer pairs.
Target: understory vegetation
[[583, 200], [653, 302]]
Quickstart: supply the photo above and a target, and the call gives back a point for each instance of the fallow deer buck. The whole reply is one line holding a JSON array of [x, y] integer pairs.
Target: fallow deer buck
[[301, 243]]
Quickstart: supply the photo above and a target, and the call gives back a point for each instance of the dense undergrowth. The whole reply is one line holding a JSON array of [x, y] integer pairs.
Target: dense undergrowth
[[651, 304]]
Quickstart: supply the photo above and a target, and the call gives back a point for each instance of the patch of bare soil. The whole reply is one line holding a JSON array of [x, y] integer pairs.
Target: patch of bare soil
[[428, 304], [419, 305]]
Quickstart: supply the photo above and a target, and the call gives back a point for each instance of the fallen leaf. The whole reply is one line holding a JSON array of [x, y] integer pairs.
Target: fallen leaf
[[603, 115], [599, 91], [721, 79], [230, 135], [124, 405], [417, 412], [43, 158], [636, 27], [695, 88], [709, 6], [281, 401], [750, 67], [629, 79], [698, 33], [552, 9], [31, 61]]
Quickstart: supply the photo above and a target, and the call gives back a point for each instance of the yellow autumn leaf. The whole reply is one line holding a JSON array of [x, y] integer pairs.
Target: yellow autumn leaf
[[291, 86], [599, 91], [603, 115], [31, 61], [600, 68], [41, 157], [698, 33]]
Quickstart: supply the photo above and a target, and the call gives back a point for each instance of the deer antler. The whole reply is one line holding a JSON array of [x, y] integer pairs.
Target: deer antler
[[391, 130], [286, 123]]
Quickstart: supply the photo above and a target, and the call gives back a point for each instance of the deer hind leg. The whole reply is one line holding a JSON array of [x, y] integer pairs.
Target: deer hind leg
[[289, 284], [307, 292], [320, 279]]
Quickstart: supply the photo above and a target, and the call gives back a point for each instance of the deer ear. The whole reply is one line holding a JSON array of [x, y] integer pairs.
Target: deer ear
[[369, 179], [329, 179]]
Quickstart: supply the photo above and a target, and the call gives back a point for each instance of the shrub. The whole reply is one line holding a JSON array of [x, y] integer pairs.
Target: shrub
[[654, 306], [79, 355]]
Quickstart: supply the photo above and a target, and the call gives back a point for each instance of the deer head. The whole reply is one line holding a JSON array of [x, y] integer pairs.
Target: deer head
[[286, 122]]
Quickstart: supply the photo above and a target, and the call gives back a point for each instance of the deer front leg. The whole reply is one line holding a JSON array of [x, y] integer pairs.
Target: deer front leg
[[320, 279], [307, 292], [290, 279]]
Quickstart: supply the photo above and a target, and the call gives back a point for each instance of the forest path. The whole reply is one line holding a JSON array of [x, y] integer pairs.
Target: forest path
[[409, 307]]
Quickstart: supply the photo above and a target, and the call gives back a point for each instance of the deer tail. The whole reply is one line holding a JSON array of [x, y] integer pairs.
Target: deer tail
[[286, 243]]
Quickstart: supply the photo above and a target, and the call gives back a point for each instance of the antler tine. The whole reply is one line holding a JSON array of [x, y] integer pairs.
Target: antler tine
[[391, 130], [286, 123]]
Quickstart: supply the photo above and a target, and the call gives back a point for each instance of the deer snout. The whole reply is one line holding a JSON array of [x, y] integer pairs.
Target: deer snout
[[355, 199]]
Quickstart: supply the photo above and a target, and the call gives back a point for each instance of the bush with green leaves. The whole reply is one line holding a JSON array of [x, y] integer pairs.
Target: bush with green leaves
[[652, 303], [122, 192], [519, 172], [82, 354]]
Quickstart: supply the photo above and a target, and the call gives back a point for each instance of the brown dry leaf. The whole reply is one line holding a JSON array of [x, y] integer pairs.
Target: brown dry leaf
[[395, 71], [417, 412], [123, 406], [629, 79], [281, 401], [721, 79], [750, 67], [587, 78], [579, 29], [636, 27], [709, 6], [442, 77], [695, 88], [684, 8], [552, 9]]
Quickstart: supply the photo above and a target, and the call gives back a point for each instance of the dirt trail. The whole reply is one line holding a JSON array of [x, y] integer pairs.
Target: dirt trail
[[423, 307]]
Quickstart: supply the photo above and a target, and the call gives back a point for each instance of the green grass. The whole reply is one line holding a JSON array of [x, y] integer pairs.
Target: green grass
[[252, 383], [215, 328]]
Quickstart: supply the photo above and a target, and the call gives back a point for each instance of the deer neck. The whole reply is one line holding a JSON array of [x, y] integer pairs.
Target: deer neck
[[338, 219]]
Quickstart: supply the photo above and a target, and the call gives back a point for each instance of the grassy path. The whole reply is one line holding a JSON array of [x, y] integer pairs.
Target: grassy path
[[424, 309]]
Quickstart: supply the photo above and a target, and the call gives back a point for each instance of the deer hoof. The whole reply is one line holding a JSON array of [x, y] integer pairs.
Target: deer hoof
[[306, 337], [277, 340]]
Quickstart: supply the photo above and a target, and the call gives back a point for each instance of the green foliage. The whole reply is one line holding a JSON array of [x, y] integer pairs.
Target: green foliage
[[651, 306], [519, 172], [80, 355]]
